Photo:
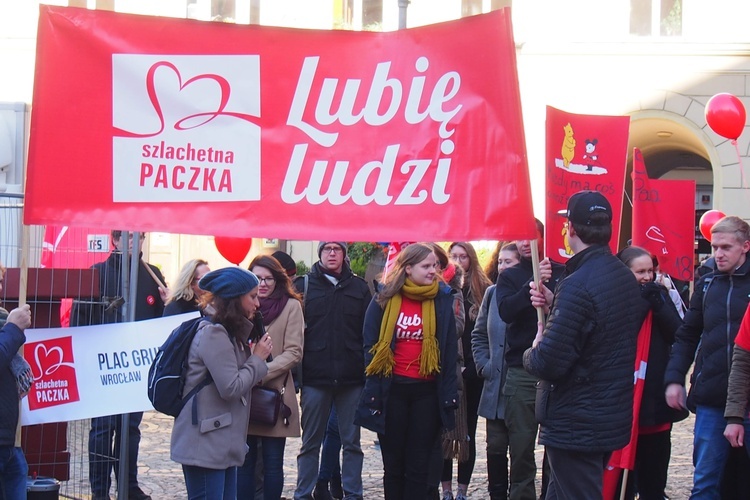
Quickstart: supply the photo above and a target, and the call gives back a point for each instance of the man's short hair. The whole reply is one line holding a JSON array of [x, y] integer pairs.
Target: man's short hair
[[599, 232], [733, 224]]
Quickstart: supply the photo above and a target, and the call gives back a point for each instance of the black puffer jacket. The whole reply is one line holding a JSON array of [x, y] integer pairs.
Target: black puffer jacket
[[713, 319], [334, 315], [586, 359]]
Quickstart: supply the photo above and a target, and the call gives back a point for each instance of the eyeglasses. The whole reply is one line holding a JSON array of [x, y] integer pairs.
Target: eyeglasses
[[461, 258], [267, 281], [142, 236], [332, 250]]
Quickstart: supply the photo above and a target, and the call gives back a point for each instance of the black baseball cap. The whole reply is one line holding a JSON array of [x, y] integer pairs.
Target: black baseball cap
[[583, 204]]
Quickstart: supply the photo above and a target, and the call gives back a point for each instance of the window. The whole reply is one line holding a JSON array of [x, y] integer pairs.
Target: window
[[656, 17]]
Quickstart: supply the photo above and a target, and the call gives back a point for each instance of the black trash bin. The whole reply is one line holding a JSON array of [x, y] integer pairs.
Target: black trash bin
[[42, 488]]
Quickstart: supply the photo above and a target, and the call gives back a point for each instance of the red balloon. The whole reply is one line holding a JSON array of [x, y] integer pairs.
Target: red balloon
[[708, 220], [725, 114], [233, 249]]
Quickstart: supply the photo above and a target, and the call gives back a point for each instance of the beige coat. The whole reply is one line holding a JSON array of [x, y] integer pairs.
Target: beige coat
[[286, 332], [218, 440]]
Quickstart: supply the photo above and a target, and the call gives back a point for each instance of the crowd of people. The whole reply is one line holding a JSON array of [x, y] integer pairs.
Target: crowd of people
[[545, 353]]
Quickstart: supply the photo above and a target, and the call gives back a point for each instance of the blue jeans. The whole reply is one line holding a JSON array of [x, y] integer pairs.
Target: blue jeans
[[273, 468], [329, 457], [210, 484], [710, 451], [316, 403], [13, 472], [103, 456]]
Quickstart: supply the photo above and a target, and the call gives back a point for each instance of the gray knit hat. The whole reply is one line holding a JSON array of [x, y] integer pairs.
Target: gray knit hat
[[342, 244], [228, 282]]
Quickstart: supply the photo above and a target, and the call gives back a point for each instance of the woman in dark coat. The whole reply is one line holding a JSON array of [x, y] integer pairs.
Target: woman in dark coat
[[654, 446], [410, 353]]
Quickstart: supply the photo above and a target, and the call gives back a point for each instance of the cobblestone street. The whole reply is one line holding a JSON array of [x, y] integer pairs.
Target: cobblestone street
[[162, 478]]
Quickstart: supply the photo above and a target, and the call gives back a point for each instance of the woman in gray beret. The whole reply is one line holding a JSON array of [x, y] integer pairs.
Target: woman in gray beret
[[208, 438]]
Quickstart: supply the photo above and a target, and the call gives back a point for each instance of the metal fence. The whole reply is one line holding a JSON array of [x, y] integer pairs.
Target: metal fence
[[56, 450]]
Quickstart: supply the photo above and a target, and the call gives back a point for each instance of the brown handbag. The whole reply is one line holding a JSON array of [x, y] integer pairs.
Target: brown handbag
[[266, 405]]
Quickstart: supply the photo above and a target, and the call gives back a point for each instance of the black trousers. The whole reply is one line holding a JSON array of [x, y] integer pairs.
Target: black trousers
[[412, 427], [575, 475]]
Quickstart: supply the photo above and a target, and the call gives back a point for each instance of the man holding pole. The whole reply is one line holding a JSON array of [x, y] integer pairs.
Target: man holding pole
[[519, 391], [585, 354]]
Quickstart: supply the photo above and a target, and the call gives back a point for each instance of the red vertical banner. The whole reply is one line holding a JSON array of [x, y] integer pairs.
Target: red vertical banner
[[664, 219], [584, 152], [625, 457]]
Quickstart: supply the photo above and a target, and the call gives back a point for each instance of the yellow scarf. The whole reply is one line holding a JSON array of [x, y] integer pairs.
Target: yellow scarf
[[429, 360]]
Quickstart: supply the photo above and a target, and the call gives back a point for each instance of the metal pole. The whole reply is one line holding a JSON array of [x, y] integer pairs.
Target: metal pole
[[129, 285], [403, 5]]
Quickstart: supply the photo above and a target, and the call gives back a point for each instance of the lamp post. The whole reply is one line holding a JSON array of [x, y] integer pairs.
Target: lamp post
[[402, 6]]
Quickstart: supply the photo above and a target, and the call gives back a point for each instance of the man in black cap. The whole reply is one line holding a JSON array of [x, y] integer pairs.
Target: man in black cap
[[332, 368], [585, 354]]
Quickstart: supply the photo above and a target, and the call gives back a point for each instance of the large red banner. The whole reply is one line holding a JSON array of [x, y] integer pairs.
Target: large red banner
[[158, 124], [584, 152], [664, 219]]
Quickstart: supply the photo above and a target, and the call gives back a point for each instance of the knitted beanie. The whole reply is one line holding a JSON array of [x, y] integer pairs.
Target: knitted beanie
[[286, 261], [228, 282], [342, 244]]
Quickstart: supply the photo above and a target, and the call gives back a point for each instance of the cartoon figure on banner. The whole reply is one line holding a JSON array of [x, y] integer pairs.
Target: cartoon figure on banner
[[569, 146], [591, 157], [568, 251], [589, 163]]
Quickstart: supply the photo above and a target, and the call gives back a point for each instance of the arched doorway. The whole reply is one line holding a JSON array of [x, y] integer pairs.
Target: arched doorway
[[674, 148]]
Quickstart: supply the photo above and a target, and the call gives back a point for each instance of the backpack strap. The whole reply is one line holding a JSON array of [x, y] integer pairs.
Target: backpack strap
[[193, 392], [203, 383]]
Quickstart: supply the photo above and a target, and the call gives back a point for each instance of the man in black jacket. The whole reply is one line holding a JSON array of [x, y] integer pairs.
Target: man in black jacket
[[712, 321], [150, 297], [585, 356], [519, 390], [333, 366]]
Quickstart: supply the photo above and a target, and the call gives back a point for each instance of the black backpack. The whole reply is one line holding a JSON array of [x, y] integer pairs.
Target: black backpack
[[166, 377]]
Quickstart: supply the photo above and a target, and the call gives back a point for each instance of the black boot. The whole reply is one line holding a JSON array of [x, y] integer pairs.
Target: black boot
[[321, 491], [497, 476], [336, 490]]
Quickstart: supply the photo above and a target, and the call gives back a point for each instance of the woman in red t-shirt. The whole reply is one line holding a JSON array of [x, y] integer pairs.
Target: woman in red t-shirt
[[410, 353]]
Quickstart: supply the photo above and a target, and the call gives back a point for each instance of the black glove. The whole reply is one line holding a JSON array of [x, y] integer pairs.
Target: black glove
[[654, 294]]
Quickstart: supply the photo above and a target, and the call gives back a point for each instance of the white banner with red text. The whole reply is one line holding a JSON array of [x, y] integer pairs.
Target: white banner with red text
[[91, 371], [182, 126]]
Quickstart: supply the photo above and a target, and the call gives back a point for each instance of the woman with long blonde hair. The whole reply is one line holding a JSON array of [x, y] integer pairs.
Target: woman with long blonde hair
[[410, 354], [185, 295]]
